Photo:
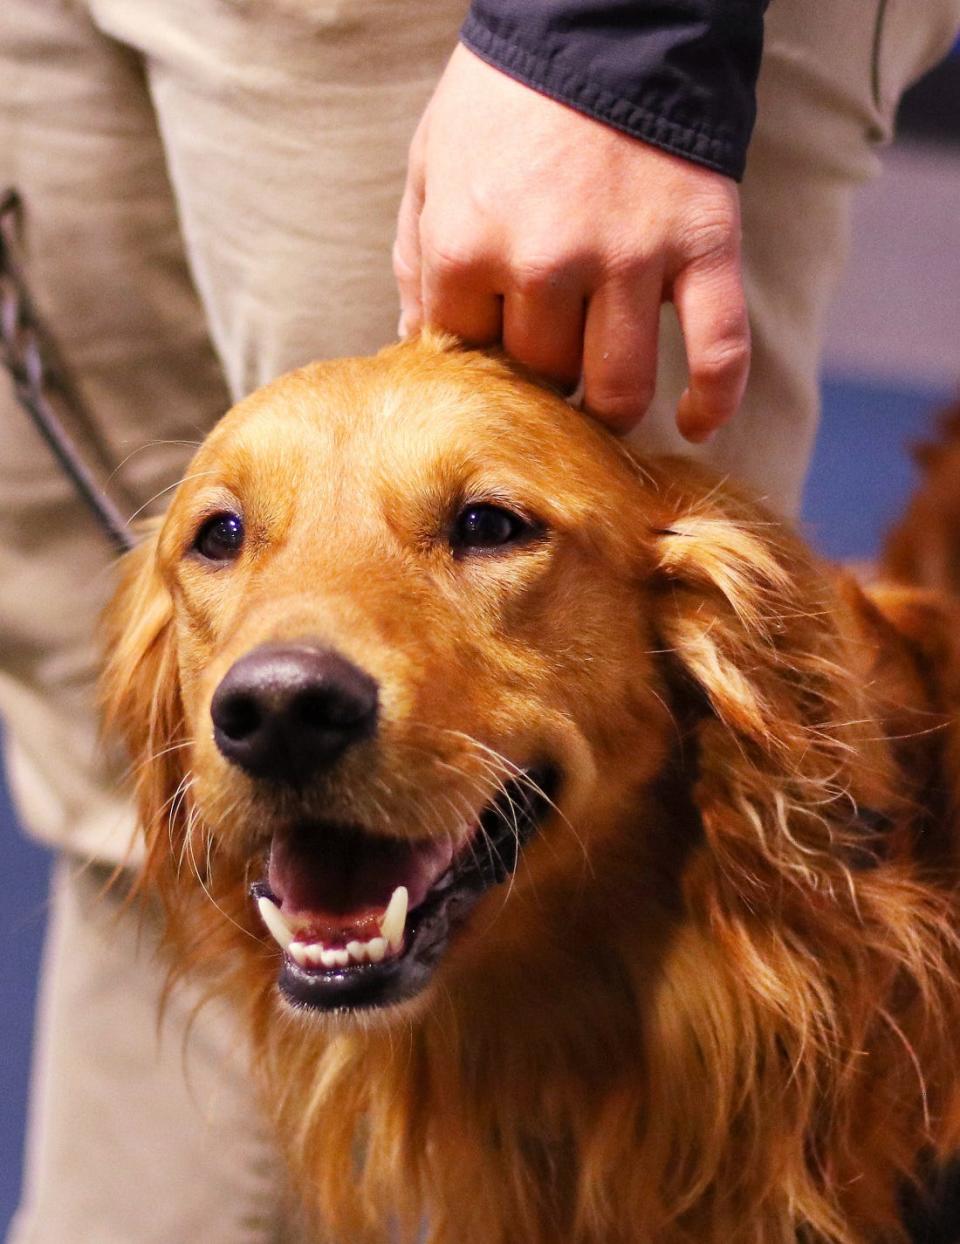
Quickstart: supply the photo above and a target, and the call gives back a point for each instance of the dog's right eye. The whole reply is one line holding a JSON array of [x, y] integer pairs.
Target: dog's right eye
[[220, 539], [483, 527]]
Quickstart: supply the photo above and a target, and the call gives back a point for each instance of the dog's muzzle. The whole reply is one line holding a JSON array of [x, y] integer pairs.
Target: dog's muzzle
[[363, 919]]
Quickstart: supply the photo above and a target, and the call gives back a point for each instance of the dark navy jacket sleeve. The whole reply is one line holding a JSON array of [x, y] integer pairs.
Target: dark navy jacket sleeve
[[677, 73]]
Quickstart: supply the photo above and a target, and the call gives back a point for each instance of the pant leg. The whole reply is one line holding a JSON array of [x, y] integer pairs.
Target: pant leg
[[143, 1134], [831, 78], [123, 1148], [286, 125], [106, 266]]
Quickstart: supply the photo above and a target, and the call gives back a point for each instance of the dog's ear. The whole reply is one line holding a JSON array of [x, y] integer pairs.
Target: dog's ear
[[754, 625], [798, 789], [139, 687]]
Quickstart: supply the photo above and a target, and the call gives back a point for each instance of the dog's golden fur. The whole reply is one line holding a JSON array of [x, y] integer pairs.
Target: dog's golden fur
[[718, 1003], [924, 547]]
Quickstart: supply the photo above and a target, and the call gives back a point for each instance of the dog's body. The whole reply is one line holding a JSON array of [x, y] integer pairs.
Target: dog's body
[[715, 998]]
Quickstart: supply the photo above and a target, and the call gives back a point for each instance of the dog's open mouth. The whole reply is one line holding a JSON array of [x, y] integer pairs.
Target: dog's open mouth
[[364, 919]]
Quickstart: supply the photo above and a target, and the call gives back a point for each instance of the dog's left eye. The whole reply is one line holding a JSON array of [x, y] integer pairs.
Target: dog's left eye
[[488, 527], [220, 539]]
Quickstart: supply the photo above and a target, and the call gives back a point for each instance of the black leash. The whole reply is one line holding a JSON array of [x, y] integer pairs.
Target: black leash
[[40, 382]]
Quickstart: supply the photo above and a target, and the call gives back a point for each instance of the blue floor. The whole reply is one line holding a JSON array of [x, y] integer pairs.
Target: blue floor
[[860, 478], [24, 867]]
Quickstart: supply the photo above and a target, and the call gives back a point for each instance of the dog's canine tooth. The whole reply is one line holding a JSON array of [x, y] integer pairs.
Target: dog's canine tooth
[[278, 927], [395, 918]]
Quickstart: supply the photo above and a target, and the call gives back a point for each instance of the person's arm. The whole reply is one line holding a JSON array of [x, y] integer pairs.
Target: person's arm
[[676, 73], [575, 168]]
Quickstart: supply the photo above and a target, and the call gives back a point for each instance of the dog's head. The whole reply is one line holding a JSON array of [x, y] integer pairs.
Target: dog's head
[[413, 627], [393, 631]]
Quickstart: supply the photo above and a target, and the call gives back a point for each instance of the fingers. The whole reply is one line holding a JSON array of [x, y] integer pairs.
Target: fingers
[[538, 317], [543, 326], [615, 225], [440, 284], [713, 316], [620, 349], [460, 290], [542, 322]]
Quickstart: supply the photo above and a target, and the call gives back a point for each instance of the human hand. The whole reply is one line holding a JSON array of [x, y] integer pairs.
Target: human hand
[[526, 222]]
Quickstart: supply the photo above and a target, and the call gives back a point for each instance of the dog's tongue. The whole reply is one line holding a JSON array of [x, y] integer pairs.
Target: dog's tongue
[[345, 876]]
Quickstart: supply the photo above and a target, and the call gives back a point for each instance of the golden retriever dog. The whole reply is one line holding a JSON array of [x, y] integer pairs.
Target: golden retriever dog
[[580, 850]]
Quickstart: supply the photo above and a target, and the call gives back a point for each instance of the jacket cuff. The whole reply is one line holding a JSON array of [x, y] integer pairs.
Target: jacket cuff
[[676, 76]]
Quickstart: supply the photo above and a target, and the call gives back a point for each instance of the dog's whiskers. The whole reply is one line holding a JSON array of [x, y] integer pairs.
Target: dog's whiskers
[[493, 781], [195, 820], [132, 771], [188, 829], [502, 769], [154, 444], [169, 488], [174, 804]]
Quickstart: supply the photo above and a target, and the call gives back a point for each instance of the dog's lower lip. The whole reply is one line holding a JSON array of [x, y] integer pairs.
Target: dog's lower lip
[[506, 824]]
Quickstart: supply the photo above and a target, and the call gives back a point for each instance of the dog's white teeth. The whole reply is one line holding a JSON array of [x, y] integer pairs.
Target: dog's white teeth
[[301, 953], [315, 954], [278, 927], [395, 918]]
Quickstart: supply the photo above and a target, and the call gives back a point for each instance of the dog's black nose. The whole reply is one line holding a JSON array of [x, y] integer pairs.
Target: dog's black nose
[[288, 711]]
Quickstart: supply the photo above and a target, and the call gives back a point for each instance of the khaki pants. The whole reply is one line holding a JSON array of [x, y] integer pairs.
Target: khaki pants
[[211, 188]]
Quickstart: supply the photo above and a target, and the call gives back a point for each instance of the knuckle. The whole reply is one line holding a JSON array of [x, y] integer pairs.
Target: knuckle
[[449, 256], [545, 270], [722, 360], [713, 248], [620, 405], [627, 265], [534, 276], [711, 237]]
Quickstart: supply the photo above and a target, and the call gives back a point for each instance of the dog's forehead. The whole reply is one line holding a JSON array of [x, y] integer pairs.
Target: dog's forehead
[[409, 417]]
